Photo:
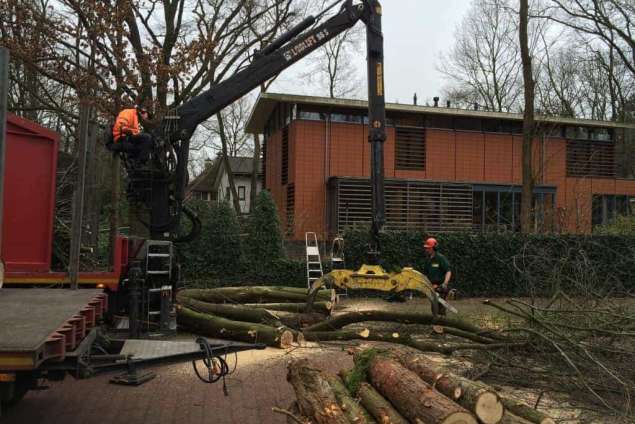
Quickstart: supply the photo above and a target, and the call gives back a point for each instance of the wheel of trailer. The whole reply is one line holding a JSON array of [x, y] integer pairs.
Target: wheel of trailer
[[12, 392]]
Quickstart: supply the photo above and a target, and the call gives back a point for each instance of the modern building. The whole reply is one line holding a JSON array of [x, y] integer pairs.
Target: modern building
[[213, 183], [446, 169]]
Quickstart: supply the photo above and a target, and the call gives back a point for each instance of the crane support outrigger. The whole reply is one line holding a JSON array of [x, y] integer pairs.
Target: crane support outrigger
[[162, 188]]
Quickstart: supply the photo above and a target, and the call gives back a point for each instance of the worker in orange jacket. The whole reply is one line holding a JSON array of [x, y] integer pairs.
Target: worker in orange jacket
[[127, 132]]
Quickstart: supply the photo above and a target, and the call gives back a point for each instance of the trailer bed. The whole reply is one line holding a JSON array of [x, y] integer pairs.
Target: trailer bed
[[38, 324]]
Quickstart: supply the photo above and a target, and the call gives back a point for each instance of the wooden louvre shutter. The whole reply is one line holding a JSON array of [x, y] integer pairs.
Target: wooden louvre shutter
[[410, 148]]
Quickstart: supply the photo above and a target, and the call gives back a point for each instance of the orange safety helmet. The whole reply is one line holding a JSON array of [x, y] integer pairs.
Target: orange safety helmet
[[431, 243]]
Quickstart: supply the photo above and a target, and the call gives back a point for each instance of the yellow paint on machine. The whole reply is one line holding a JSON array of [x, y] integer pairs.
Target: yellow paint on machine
[[380, 79], [14, 361]]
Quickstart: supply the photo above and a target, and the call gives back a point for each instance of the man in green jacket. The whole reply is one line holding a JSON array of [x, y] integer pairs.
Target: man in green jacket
[[437, 269]]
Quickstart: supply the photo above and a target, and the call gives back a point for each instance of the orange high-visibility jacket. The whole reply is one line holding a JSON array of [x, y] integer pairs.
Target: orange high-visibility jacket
[[127, 122]]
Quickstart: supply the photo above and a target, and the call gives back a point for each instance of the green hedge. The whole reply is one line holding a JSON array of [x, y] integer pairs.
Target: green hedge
[[488, 264], [509, 264]]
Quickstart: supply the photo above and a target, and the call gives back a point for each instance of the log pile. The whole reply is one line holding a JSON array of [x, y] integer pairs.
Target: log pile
[[399, 386], [256, 314], [279, 316]]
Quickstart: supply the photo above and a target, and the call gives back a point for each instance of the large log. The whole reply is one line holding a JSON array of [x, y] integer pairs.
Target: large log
[[246, 313], [254, 294], [355, 413], [229, 311], [337, 322], [390, 337], [315, 396], [414, 398], [379, 407], [475, 397], [510, 418], [323, 307], [522, 410], [298, 320], [223, 328]]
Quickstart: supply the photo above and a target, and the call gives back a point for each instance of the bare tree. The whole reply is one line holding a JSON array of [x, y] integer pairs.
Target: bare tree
[[333, 65], [528, 121], [157, 52], [483, 66], [233, 119], [612, 21]]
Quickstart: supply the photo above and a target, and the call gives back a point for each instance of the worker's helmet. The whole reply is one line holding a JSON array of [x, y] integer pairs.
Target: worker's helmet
[[141, 109], [431, 243]]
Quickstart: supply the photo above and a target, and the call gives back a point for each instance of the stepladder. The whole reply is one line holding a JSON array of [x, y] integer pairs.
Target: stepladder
[[159, 263], [314, 269]]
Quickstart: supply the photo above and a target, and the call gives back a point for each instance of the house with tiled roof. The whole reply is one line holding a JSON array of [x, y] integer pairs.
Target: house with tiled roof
[[213, 183]]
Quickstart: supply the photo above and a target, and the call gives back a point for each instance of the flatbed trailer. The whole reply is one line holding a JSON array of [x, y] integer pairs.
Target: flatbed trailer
[[42, 325]]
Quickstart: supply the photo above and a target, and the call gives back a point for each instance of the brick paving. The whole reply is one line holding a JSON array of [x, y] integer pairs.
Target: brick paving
[[176, 395]]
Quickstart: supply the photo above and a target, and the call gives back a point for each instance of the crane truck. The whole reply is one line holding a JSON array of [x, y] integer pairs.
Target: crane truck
[[145, 277]]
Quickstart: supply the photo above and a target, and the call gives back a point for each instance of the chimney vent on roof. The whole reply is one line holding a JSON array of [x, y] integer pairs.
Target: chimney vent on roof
[[414, 99], [436, 101]]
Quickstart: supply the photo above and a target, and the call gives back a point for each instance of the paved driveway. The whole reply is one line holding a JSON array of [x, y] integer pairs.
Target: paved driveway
[[176, 395]]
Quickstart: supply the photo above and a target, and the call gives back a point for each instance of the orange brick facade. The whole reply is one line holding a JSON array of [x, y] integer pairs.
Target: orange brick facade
[[319, 150]]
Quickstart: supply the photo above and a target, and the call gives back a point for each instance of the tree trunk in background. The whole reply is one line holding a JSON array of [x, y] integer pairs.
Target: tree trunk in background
[[228, 169], [254, 173], [528, 122]]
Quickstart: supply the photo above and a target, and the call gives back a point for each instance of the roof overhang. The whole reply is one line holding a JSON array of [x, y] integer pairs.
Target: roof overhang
[[266, 103]]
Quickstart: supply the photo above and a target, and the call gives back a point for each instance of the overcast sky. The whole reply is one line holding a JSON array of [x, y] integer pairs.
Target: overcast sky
[[415, 34]]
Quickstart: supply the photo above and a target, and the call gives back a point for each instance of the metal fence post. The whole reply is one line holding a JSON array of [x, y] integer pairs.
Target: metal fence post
[[4, 92], [78, 195]]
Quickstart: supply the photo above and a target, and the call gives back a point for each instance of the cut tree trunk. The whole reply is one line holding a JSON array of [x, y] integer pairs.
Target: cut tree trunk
[[355, 413], [337, 322], [298, 320], [392, 337], [414, 398], [254, 294], [510, 418], [315, 396], [323, 307], [223, 328], [233, 312], [379, 407], [522, 410], [473, 396]]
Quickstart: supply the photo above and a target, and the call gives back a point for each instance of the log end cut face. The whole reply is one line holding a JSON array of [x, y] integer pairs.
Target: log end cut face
[[460, 418], [489, 408]]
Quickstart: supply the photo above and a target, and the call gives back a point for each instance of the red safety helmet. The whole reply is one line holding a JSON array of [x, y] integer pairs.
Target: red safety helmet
[[431, 243]]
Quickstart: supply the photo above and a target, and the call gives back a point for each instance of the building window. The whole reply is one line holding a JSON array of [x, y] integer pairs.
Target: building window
[[346, 117], [462, 123], [497, 208], [410, 148], [589, 158], [607, 207], [241, 192], [228, 194], [285, 156], [290, 208], [410, 204]]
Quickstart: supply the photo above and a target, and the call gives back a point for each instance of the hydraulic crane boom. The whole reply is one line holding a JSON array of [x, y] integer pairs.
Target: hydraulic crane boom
[[173, 136]]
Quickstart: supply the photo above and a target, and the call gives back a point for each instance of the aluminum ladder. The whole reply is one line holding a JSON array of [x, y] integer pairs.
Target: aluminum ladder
[[313, 261], [159, 256]]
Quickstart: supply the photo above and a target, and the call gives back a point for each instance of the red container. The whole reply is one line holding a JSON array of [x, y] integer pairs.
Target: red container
[[29, 196]]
